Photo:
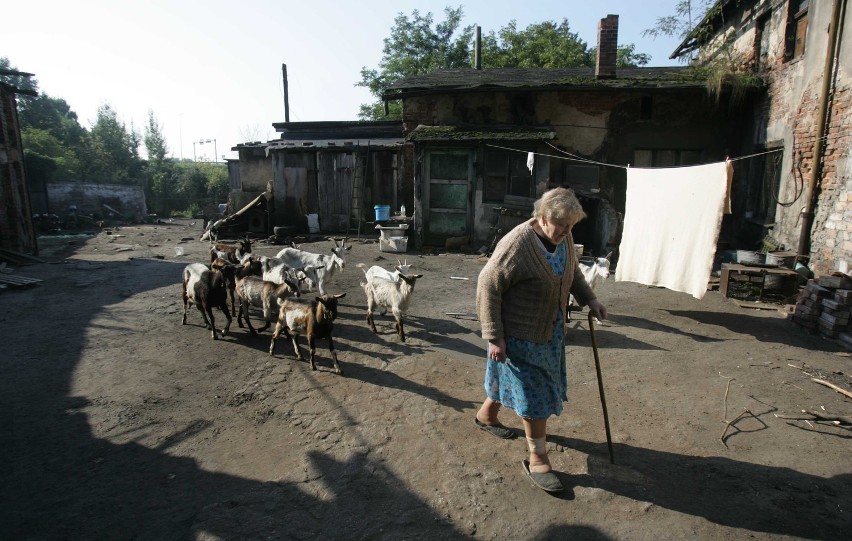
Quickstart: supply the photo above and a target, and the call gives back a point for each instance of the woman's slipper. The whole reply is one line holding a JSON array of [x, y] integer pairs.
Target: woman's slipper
[[498, 430], [545, 481]]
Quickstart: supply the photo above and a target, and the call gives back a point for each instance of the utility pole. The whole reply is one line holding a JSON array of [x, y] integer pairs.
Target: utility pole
[[286, 94]]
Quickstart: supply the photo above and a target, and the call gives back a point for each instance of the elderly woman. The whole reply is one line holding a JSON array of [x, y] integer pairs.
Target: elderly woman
[[520, 298]]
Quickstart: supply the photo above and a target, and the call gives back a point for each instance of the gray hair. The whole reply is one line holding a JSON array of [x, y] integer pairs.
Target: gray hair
[[559, 204]]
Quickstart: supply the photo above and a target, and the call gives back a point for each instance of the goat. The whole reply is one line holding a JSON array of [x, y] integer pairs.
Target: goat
[[595, 274], [275, 270], [379, 272], [313, 318], [258, 292], [205, 288], [231, 254], [230, 273], [393, 295], [319, 268]]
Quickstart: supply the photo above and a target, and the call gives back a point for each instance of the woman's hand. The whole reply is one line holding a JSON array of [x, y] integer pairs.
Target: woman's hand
[[497, 349], [597, 309]]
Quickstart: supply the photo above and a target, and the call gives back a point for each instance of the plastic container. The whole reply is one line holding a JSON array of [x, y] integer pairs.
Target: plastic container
[[393, 244], [382, 212]]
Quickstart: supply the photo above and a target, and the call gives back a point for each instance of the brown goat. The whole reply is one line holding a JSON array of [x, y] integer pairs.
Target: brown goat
[[253, 290], [231, 254], [232, 273], [313, 318]]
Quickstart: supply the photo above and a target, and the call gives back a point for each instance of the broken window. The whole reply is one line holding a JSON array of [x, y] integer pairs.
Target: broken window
[[797, 27], [506, 173]]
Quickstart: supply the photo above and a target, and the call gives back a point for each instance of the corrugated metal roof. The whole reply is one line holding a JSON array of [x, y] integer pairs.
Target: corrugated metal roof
[[334, 143]]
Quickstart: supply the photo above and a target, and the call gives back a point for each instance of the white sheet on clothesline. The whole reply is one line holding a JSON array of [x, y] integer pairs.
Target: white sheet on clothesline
[[672, 219]]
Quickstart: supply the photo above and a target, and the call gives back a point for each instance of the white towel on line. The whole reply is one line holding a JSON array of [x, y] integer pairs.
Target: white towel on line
[[671, 225]]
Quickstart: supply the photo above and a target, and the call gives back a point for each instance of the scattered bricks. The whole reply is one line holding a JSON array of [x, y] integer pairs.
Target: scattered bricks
[[810, 325]]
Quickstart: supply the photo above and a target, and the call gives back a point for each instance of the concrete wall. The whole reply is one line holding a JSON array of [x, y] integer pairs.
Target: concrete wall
[[91, 198], [255, 169]]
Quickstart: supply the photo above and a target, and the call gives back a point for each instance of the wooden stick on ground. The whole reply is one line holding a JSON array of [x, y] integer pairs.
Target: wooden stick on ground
[[836, 419], [840, 390]]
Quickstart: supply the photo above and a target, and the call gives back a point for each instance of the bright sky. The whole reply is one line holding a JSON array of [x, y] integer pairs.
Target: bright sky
[[211, 70]]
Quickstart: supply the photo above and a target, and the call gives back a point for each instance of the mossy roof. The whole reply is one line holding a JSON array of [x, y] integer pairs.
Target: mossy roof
[[480, 133], [469, 79]]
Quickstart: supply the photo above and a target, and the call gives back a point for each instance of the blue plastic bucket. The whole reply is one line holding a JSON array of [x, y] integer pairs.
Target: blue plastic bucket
[[382, 212]]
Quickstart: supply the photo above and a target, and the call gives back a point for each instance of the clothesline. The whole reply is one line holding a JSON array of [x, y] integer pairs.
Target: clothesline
[[573, 157]]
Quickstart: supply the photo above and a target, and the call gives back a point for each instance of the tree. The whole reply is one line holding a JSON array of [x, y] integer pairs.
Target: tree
[[415, 47], [115, 148], [688, 13], [155, 141], [542, 45]]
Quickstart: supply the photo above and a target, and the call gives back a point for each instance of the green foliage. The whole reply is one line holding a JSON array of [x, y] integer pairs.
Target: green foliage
[[43, 145], [416, 47], [542, 45], [155, 141]]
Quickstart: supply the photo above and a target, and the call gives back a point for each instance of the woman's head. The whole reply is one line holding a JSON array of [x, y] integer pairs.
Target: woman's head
[[557, 211]]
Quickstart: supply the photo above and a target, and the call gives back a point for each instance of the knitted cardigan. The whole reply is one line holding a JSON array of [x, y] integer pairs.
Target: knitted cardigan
[[518, 294]]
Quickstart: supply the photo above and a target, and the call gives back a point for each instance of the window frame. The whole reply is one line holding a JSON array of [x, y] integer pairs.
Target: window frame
[[513, 161]]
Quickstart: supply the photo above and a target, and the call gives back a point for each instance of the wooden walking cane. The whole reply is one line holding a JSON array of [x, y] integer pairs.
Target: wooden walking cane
[[600, 386]]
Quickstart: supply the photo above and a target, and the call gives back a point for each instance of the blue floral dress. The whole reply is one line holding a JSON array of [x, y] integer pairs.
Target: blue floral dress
[[533, 380]]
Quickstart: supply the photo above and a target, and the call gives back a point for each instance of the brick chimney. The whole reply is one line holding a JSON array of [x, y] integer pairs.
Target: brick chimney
[[607, 47]]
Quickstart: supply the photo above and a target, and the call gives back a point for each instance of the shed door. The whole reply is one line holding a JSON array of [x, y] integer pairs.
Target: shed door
[[334, 187], [448, 185]]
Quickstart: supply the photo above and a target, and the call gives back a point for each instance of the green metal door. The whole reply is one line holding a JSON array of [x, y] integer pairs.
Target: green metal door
[[448, 184]]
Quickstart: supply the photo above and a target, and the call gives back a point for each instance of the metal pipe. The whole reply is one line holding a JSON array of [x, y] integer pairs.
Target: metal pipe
[[286, 93], [477, 48], [807, 215]]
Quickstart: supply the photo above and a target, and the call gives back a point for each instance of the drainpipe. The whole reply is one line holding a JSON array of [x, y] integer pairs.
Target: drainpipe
[[803, 250]]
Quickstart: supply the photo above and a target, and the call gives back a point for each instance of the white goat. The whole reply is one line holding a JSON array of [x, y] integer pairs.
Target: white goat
[[275, 270], [595, 274], [380, 272], [320, 268], [393, 295]]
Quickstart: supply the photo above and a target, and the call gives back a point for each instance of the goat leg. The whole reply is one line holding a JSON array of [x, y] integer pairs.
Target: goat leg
[[397, 315], [337, 369], [278, 328], [313, 350], [224, 308], [370, 322], [296, 347], [208, 311]]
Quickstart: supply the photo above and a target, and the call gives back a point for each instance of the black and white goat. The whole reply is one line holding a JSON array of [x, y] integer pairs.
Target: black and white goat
[[393, 295], [205, 289], [313, 318], [319, 268]]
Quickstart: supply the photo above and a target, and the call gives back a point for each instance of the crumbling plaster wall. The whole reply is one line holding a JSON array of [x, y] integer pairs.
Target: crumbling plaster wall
[[794, 93]]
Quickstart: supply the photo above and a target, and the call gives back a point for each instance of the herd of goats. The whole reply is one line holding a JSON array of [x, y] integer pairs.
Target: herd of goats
[[275, 285]]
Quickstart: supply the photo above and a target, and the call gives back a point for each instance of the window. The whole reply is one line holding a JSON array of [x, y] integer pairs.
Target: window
[[761, 43], [797, 28], [763, 180], [506, 173], [665, 157]]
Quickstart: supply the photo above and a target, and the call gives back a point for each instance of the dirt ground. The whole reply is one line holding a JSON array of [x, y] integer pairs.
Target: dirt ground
[[119, 423]]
